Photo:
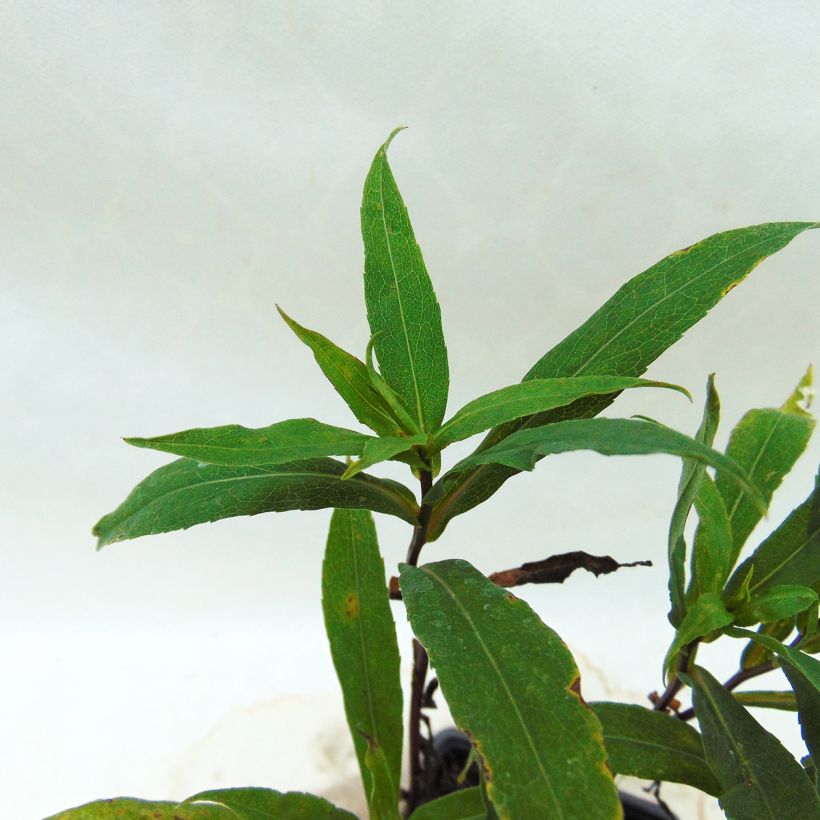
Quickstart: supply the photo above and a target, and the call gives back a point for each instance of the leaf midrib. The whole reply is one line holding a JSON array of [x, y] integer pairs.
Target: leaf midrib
[[504, 685]]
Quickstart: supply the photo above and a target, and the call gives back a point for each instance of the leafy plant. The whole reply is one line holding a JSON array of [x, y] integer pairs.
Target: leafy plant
[[508, 678]]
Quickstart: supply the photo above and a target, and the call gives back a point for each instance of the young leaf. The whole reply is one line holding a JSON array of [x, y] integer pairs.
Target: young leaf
[[705, 616], [712, 549], [234, 446], [654, 746], [754, 653], [185, 493], [529, 397], [465, 804], [401, 305], [513, 686], [767, 700], [776, 604], [348, 375], [645, 317], [803, 673], [257, 803], [765, 443], [362, 637], [381, 449], [383, 795], [522, 450], [759, 778], [691, 474], [790, 555]]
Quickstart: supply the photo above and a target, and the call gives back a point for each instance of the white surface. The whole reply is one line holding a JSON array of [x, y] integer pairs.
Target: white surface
[[170, 170]]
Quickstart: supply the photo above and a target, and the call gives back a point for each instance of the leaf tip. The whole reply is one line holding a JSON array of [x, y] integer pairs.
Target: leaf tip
[[392, 135]]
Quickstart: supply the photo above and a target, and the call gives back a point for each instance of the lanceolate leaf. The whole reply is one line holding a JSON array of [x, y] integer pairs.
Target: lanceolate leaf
[[790, 555], [712, 549], [218, 804], [465, 804], [765, 443], [517, 696], [381, 449], [185, 493], [691, 474], [349, 376], [645, 317], [362, 637], [705, 616], [803, 673], [767, 700], [759, 778], [401, 304], [754, 653], [522, 450], [654, 746], [523, 399], [383, 794], [236, 446], [776, 604]]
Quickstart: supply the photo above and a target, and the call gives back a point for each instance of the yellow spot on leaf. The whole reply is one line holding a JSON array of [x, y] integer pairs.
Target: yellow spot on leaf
[[352, 606]]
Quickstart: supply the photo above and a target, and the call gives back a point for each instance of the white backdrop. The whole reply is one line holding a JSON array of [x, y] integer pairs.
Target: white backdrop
[[170, 170]]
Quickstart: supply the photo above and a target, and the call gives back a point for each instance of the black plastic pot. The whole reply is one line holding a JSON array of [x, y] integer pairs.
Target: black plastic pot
[[450, 751]]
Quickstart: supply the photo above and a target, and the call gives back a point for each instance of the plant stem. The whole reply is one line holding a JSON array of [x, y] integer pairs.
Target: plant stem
[[735, 681], [675, 684], [420, 660]]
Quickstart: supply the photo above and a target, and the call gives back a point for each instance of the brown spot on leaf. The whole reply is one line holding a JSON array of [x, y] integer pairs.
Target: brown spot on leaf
[[352, 606], [575, 688], [732, 286]]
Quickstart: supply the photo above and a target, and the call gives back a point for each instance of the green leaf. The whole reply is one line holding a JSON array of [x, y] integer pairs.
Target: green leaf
[[705, 615], [754, 653], [776, 604], [513, 686], [712, 549], [765, 443], [654, 746], [790, 555], [465, 804], [529, 397], [259, 804], [130, 808], [645, 317], [383, 795], [234, 446], [185, 493], [382, 449], [362, 637], [348, 375], [522, 450], [760, 779], [402, 308], [803, 673], [691, 473], [767, 700]]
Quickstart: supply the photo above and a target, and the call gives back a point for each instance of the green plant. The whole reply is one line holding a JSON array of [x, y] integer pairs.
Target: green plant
[[509, 680]]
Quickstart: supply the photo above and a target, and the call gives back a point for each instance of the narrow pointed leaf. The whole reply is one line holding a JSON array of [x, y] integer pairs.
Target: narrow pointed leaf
[[754, 653], [765, 443], [258, 803], [522, 450], [517, 697], [526, 398], [363, 644], [130, 808], [654, 746], [465, 804], [645, 317], [235, 446], [776, 604], [803, 673], [348, 375], [785, 701], [790, 555], [382, 449], [691, 473], [705, 615], [712, 548], [759, 778], [185, 493], [383, 795], [401, 305]]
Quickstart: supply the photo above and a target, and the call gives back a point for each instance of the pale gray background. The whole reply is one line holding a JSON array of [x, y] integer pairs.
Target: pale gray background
[[170, 170]]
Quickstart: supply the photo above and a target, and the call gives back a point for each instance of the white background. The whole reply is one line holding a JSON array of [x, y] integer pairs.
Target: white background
[[170, 170]]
